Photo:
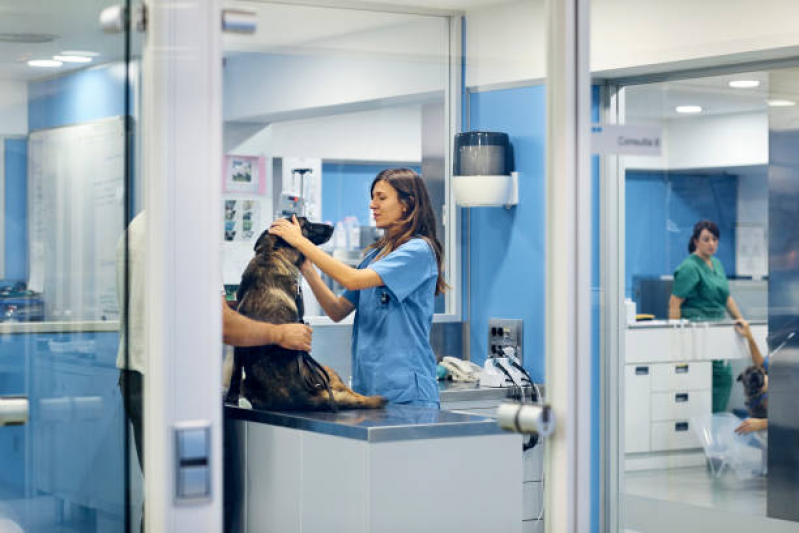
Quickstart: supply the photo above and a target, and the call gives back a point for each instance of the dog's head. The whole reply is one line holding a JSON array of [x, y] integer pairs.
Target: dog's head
[[314, 232], [753, 380]]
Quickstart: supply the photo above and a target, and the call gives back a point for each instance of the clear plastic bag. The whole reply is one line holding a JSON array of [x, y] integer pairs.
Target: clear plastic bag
[[743, 454]]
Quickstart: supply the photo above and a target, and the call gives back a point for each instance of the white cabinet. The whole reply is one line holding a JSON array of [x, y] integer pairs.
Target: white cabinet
[[532, 464], [637, 386], [660, 400], [701, 341]]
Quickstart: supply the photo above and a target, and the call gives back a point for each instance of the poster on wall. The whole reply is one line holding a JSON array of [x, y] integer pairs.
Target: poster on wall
[[244, 174], [242, 220], [751, 251]]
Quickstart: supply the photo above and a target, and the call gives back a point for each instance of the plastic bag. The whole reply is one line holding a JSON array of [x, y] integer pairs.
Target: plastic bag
[[744, 454]]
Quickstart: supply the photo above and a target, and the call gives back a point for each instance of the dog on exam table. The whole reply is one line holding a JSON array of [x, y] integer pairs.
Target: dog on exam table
[[275, 378], [755, 382]]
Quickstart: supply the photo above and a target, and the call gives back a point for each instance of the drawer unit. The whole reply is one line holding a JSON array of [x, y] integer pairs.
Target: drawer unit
[[637, 407], [532, 461], [680, 405], [681, 376], [533, 526], [660, 400], [673, 435], [532, 499]]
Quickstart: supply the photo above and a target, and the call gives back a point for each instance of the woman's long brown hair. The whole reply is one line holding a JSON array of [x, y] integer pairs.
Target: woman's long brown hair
[[419, 219]]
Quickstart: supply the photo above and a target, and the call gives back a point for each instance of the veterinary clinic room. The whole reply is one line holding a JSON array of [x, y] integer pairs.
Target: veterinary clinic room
[[378, 266]]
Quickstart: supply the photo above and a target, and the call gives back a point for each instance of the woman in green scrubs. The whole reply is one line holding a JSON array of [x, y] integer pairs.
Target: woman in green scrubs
[[701, 292]]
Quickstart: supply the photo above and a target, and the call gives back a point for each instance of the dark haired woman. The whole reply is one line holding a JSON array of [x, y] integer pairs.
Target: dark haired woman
[[393, 291], [701, 292]]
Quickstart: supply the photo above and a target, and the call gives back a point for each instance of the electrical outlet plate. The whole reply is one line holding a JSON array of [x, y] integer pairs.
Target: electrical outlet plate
[[503, 332]]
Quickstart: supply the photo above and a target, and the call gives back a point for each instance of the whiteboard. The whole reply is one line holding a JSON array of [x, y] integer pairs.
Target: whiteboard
[[76, 180]]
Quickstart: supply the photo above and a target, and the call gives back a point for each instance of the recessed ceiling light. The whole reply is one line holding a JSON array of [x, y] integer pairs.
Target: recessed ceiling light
[[744, 84], [84, 53], [781, 103], [688, 109], [73, 59], [44, 63]]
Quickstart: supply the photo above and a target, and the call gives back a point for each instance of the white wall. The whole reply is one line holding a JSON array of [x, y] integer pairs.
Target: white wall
[[316, 68], [506, 43], [13, 107], [385, 134], [710, 142]]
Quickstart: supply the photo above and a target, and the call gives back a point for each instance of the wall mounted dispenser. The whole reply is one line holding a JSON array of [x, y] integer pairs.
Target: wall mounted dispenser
[[483, 170]]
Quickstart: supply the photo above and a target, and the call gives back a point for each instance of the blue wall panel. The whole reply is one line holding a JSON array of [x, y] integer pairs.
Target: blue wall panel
[[84, 96], [16, 210], [661, 210], [507, 245], [345, 190]]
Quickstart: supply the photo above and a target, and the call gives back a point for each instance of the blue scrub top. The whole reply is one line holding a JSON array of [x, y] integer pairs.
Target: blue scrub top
[[391, 352]]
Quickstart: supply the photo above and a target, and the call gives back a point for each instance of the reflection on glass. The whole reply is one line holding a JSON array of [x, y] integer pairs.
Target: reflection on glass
[[64, 152], [312, 117], [699, 258]]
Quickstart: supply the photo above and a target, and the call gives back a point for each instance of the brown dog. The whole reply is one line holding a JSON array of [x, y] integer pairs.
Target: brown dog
[[754, 380], [277, 378]]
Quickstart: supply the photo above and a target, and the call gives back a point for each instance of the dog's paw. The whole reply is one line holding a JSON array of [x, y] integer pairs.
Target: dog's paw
[[245, 403]]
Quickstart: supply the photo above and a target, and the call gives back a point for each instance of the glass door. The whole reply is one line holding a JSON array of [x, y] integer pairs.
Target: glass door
[[67, 116], [699, 423]]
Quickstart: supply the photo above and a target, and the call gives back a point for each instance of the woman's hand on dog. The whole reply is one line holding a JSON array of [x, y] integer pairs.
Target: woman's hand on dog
[[291, 232], [295, 337], [752, 424]]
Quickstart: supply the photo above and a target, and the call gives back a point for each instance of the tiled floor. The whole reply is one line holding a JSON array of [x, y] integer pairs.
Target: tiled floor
[[697, 486]]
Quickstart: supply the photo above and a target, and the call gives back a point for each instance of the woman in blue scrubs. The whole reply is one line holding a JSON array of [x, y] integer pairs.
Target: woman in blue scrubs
[[392, 291]]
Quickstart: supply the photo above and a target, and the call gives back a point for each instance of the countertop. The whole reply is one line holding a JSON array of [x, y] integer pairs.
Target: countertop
[[453, 391], [7, 328], [392, 423], [644, 324]]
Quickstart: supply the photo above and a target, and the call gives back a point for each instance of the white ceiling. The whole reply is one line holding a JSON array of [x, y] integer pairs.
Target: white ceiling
[[657, 101], [284, 26], [73, 25]]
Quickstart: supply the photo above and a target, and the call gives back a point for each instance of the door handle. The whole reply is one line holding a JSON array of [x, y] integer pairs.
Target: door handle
[[13, 410]]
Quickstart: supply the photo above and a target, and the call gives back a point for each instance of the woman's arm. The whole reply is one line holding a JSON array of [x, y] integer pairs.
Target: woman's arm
[[742, 327], [336, 307], [732, 307], [353, 279], [674, 306], [752, 424], [239, 330]]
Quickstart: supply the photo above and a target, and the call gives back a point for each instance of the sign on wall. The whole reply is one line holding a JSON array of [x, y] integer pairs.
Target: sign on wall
[[622, 139]]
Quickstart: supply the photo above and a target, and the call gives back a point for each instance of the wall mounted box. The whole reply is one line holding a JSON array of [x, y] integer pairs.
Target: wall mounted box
[[486, 191]]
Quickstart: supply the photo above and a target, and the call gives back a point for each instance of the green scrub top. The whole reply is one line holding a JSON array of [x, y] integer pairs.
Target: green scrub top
[[704, 289]]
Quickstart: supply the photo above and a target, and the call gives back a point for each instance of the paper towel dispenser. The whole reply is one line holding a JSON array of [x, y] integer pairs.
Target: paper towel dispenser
[[483, 169]]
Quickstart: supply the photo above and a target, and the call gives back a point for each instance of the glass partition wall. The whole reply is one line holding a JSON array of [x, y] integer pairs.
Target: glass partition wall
[[67, 121], [707, 227], [314, 110]]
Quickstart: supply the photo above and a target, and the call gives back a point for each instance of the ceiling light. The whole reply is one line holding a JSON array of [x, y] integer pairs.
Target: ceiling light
[[688, 109], [73, 59], [44, 63], [84, 53], [744, 84], [780, 103]]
